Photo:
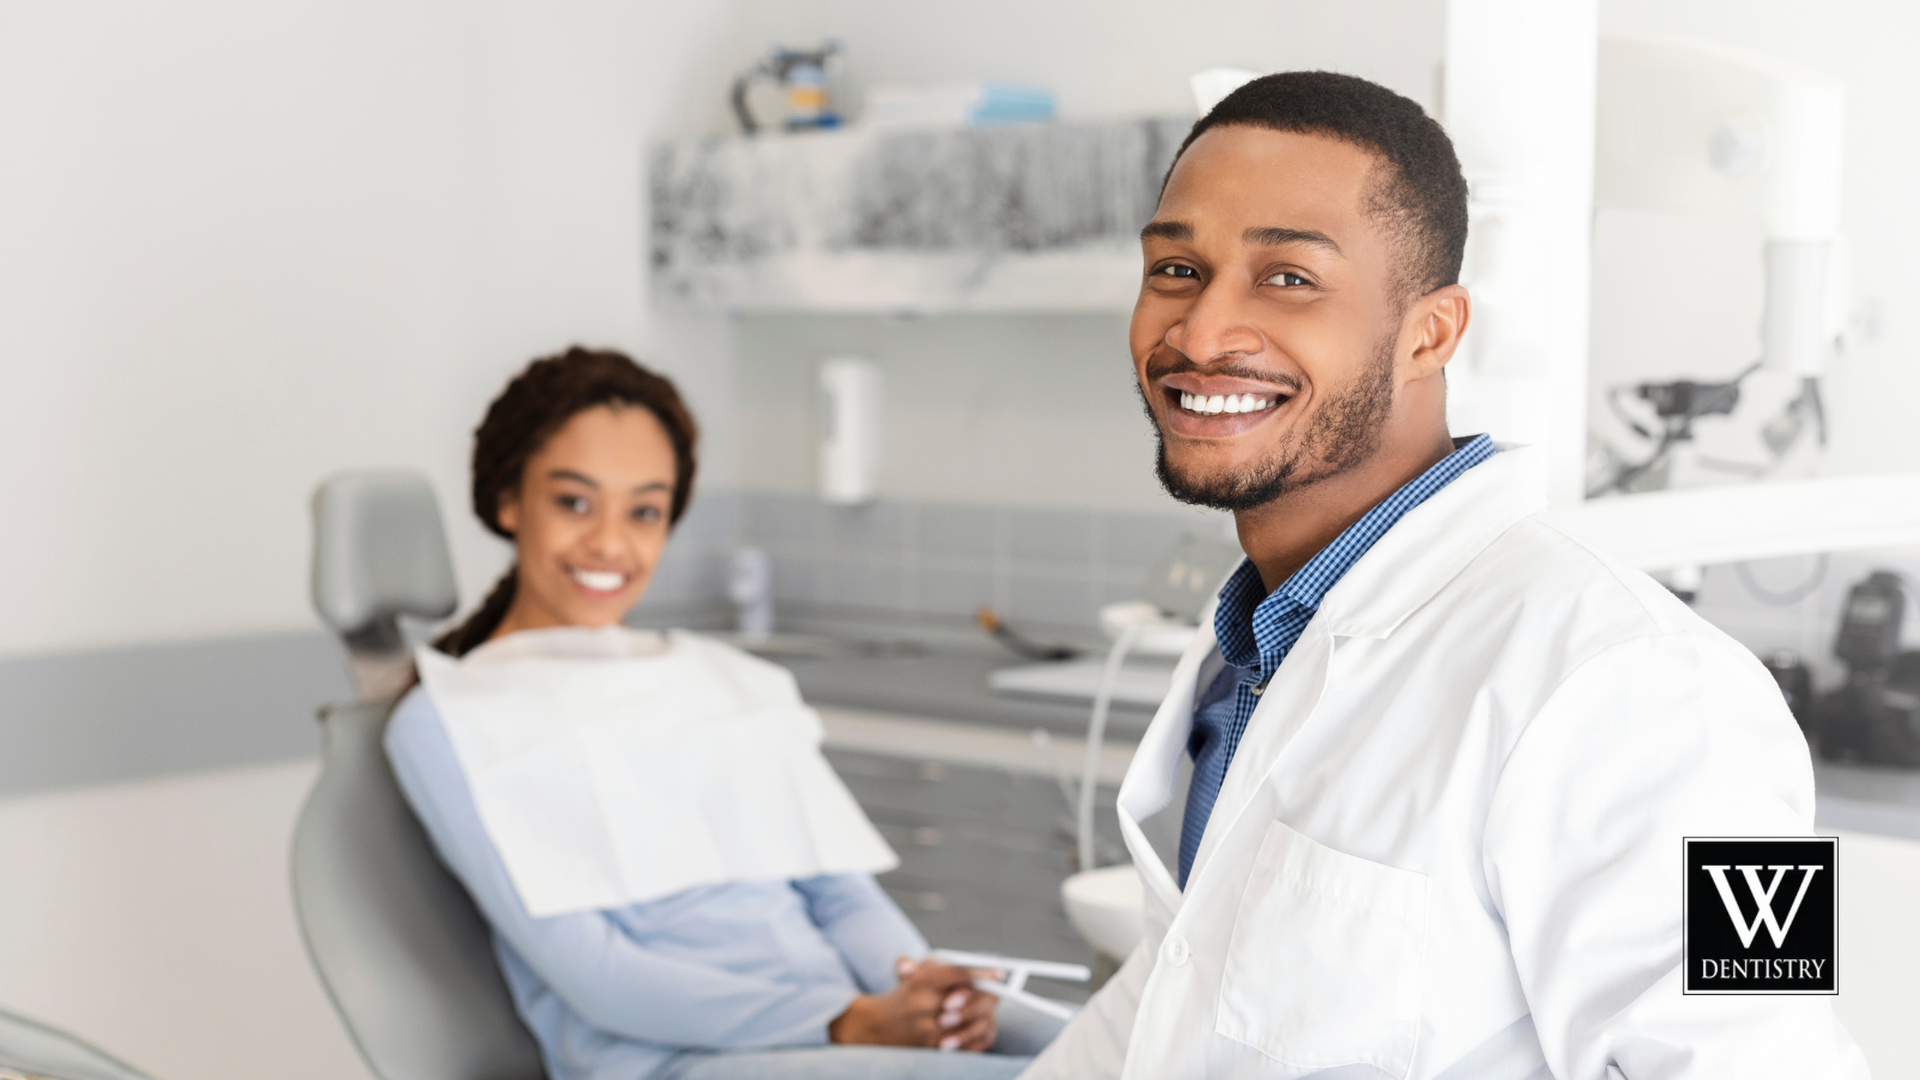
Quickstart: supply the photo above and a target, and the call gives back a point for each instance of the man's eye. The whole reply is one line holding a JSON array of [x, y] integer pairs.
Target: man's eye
[[1287, 279], [1177, 270]]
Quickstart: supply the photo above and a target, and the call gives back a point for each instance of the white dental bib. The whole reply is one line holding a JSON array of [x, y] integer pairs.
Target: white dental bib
[[612, 767]]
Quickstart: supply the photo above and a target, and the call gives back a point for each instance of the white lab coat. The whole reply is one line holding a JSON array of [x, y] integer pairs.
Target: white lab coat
[[1449, 843]]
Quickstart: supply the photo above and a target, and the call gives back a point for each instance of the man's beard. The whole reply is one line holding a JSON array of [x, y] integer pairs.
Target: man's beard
[[1343, 435]]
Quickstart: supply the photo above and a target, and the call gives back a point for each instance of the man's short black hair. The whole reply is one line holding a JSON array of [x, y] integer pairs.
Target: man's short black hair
[[1422, 193]]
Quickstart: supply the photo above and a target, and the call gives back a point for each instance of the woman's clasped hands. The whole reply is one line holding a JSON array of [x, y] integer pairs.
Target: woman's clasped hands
[[934, 1005]]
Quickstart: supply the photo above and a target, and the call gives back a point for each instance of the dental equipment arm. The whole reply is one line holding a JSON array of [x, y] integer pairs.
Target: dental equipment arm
[[1096, 735], [1136, 625], [1016, 972]]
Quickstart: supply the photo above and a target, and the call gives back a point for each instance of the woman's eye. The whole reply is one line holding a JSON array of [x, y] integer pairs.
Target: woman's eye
[[572, 504], [1288, 279], [1177, 271], [648, 514]]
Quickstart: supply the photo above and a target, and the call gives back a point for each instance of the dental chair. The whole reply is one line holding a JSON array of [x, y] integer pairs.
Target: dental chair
[[29, 1048], [405, 957]]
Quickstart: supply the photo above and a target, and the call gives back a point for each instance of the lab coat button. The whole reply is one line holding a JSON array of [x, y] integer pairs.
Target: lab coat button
[[1176, 950]]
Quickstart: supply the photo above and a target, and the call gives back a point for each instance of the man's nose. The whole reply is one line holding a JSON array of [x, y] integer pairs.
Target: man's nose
[[1216, 326]]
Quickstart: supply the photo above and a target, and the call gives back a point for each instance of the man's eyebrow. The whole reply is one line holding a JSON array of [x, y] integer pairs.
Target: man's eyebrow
[[1275, 236], [1178, 231]]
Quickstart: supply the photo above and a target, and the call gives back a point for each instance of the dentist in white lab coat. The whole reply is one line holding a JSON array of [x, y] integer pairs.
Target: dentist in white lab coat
[[1444, 753]]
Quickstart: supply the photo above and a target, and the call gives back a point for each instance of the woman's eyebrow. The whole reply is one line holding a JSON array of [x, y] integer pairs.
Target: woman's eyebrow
[[657, 485], [1276, 236], [578, 478]]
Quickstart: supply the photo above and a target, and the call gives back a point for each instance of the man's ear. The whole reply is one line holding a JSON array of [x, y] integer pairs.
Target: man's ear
[[1434, 325]]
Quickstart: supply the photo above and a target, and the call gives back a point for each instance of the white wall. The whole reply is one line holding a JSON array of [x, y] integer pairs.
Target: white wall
[[160, 926], [248, 245]]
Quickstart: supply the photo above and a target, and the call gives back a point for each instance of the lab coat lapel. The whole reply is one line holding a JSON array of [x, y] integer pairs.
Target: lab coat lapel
[[1423, 551], [1148, 786], [1285, 708]]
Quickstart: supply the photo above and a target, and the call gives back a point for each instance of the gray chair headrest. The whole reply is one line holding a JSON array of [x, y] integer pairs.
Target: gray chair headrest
[[379, 551]]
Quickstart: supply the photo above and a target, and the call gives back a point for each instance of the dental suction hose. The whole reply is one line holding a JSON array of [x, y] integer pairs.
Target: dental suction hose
[[1096, 732]]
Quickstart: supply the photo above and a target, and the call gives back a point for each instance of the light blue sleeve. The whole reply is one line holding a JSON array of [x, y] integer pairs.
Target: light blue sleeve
[[864, 924], [603, 975]]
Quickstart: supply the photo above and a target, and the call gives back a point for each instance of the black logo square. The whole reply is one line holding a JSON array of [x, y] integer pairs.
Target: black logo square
[[1760, 915]]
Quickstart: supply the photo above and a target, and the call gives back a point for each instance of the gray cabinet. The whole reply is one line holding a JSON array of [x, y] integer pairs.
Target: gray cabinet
[[982, 854]]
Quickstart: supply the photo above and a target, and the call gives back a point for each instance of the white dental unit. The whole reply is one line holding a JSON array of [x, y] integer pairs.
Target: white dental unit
[[1696, 129]]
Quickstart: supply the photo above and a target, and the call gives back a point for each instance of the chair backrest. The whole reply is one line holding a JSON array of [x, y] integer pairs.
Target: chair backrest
[[404, 955]]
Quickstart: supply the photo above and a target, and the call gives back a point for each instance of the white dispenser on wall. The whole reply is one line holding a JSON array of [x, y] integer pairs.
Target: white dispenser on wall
[[849, 431]]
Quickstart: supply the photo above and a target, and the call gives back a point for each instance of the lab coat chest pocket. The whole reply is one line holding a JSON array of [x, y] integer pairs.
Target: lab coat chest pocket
[[1323, 968]]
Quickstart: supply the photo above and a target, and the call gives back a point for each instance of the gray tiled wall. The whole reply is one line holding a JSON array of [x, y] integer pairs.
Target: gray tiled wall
[[908, 558], [690, 584], [943, 561]]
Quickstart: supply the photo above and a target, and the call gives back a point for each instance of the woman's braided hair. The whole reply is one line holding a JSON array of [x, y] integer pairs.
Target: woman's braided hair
[[538, 402]]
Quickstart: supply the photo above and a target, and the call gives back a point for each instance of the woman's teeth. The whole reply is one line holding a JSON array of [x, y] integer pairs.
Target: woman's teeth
[[599, 580], [1227, 403]]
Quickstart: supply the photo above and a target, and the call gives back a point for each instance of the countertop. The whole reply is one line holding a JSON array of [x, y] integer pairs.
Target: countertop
[[945, 684]]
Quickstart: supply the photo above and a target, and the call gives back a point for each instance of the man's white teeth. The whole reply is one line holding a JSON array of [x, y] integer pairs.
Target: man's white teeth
[[1227, 403], [599, 580]]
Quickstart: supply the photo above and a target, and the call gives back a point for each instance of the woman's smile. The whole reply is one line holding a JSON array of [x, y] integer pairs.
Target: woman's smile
[[599, 582]]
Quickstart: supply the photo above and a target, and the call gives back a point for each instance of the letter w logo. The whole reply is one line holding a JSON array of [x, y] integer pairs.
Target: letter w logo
[[1762, 898]]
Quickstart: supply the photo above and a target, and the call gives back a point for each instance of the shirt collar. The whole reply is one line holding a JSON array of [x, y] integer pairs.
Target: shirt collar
[[1253, 627]]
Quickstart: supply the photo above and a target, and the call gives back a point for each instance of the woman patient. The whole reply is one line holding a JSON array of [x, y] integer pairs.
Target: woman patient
[[678, 886]]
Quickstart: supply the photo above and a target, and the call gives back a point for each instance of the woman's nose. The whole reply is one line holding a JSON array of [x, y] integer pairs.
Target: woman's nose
[[607, 539]]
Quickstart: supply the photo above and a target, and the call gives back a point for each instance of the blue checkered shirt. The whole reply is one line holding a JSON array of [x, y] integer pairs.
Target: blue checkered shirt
[[1257, 630]]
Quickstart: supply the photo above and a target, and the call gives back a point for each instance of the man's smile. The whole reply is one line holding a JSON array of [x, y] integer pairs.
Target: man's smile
[[1230, 403], [1199, 405]]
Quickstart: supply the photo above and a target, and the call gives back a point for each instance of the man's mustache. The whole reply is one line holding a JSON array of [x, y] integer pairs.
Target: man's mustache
[[1172, 363]]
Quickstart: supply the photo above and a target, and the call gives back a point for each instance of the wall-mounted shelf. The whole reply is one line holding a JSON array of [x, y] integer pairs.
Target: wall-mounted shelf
[[1028, 218]]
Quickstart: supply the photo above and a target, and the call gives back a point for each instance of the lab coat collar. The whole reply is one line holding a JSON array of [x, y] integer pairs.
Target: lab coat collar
[[1423, 551], [1434, 542]]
